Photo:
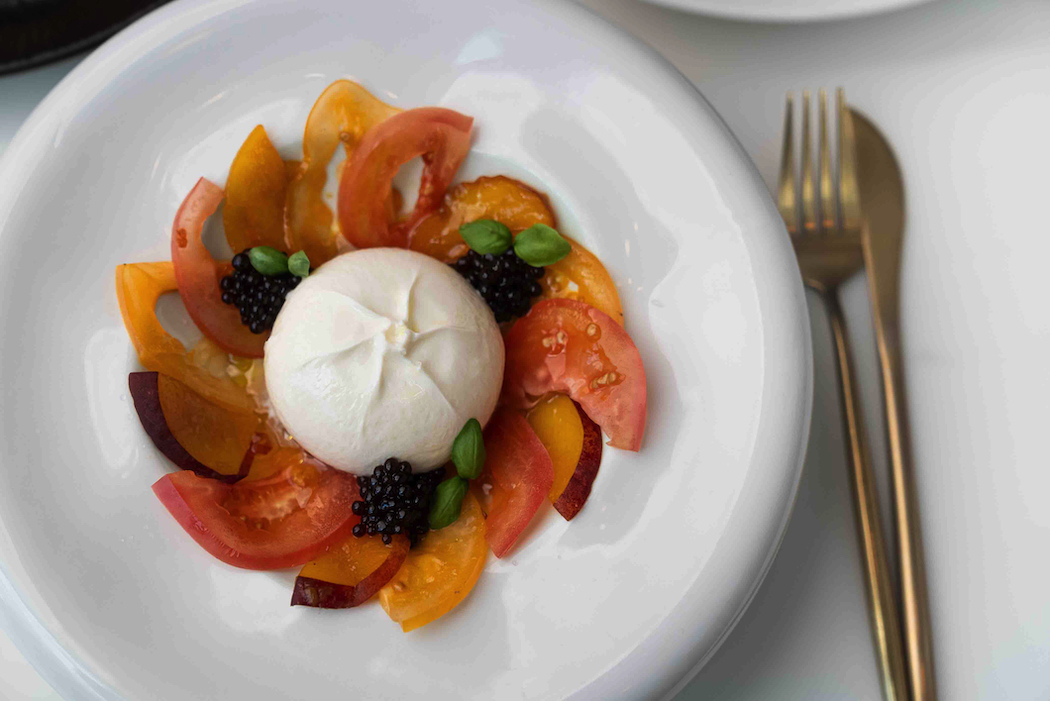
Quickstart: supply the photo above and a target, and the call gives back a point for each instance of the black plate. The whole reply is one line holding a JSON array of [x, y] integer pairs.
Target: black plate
[[33, 32]]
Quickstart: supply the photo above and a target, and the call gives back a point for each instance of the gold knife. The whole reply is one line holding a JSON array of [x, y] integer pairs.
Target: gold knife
[[882, 208]]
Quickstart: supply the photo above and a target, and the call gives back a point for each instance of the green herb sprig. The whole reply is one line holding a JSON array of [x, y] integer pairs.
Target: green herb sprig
[[269, 261], [468, 455], [539, 245]]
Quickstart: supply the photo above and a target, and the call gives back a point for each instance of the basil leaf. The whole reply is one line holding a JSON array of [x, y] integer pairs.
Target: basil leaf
[[540, 245], [486, 236], [299, 264], [468, 450], [448, 498], [268, 261]]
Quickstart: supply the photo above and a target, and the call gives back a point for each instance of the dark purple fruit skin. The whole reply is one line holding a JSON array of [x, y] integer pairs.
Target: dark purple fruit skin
[[324, 595], [146, 395]]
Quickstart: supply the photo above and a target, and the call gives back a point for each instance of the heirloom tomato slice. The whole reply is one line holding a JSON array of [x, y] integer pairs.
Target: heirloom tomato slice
[[255, 194], [515, 481], [439, 572], [439, 135], [139, 286], [281, 521], [563, 345], [343, 114], [198, 275]]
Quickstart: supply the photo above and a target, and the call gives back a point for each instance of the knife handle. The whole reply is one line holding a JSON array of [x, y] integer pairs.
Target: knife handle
[[912, 570], [882, 606]]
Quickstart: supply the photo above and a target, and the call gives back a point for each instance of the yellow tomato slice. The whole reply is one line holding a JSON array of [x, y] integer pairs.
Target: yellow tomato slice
[[557, 424], [255, 194], [439, 572], [581, 276], [139, 286], [343, 113]]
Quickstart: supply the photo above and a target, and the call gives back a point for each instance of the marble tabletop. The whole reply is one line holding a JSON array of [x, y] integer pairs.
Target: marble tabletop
[[962, 90]]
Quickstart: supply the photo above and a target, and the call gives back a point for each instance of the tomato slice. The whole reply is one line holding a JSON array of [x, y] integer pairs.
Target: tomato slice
[[503, 199], [139, 286], [439, 572], [198, 275], [563, 345], [255, 193], [516, 480], [343, 114], [440, 136], [582, 277], [282, 521], [350, 573]]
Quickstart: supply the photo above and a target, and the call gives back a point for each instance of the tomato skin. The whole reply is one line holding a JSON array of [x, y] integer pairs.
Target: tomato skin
[[262, 525], [515, 481], [563, 345], [439, 135], [198, 275]]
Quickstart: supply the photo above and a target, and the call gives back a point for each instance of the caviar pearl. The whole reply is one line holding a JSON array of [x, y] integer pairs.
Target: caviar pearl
[[507, 283], [394, 501], [258, 297]]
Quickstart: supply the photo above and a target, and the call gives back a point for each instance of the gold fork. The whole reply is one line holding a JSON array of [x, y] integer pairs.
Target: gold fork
[[827, 241]]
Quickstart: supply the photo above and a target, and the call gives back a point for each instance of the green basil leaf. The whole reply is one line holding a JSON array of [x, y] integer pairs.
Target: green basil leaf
[[468, 450], [299, 264], [268, 261], [540, 245], [486, 236], [448, 498]]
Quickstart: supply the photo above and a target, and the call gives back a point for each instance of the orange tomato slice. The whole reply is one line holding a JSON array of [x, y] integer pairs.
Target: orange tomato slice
[[255, 194], [343, 114], [139, 286], [439, 572]]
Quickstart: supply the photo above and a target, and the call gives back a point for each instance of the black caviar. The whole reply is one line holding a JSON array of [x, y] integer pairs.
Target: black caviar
[[506, 282], [394, 501], [258, 297]]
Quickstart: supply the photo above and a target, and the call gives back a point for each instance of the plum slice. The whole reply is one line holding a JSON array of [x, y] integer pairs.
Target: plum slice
[[210, 430], [350, 573], [574, 443]]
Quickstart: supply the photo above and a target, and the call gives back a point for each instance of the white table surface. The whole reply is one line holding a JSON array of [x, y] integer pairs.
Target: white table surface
[[962, 90]]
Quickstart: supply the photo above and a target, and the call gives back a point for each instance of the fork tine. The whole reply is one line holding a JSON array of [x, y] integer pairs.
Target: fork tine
[[849, 197], [827, 188], [809, 195], [787, 194]]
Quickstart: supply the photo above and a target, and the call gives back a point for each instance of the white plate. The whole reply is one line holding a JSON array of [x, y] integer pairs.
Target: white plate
[[111, 600], [787, 10]]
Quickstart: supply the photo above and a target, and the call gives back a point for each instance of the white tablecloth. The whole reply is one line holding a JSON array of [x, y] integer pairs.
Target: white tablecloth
[[962, 90]]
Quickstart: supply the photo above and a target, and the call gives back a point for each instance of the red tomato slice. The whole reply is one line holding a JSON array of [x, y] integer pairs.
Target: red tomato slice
[[440, 136], [280, 521], [563, 345], [517, 477], [198, 275]]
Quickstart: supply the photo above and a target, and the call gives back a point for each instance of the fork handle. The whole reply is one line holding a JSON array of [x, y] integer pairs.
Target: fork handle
[[882, 606]]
